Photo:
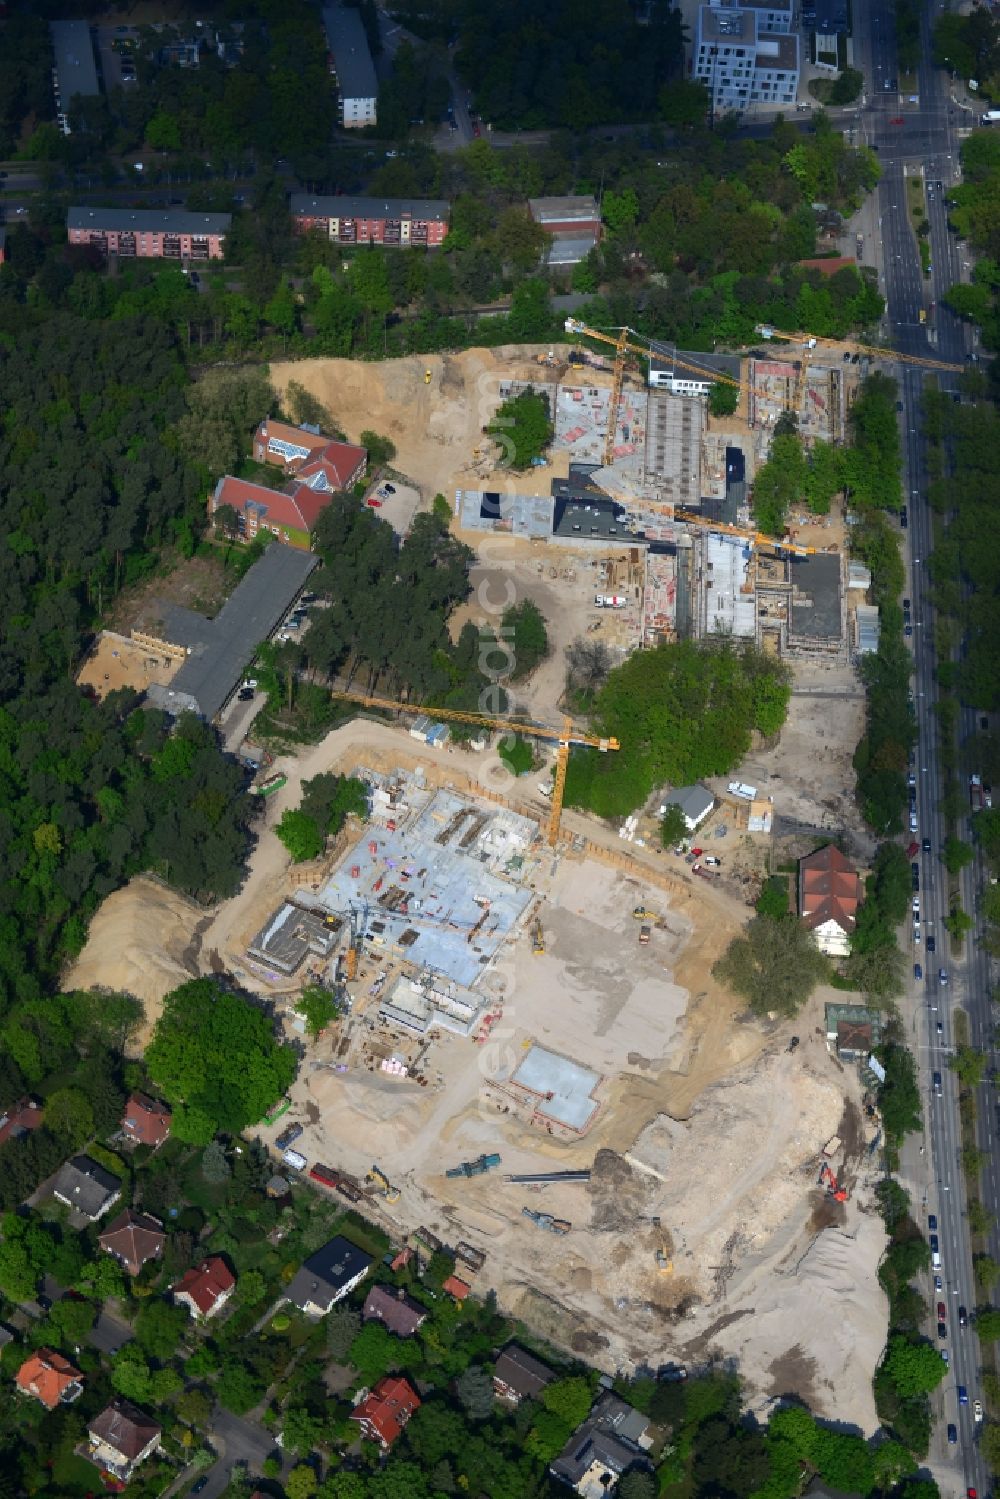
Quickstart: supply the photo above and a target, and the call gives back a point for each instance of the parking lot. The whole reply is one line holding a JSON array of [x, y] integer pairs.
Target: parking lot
[[109, 59], [394, 502]]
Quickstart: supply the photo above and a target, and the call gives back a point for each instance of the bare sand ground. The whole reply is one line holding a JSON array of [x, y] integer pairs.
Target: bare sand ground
[[143, 941], [436, 427], [115, 662]]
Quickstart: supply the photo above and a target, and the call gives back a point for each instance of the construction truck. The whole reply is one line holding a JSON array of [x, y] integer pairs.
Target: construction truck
[[537, 939], [546, 1221], [644, 935], [378, 1176], [827, 1178], [478, 1167]]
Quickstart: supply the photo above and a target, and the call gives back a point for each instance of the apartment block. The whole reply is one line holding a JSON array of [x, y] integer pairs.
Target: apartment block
[[153, 233], [351, 64], [747, 54], [421, 222]]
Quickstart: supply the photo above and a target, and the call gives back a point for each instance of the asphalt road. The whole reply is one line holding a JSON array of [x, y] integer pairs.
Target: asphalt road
[[929, 138]]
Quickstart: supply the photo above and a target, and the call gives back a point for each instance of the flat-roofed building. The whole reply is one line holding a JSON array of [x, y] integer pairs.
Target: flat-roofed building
[[74, 75]]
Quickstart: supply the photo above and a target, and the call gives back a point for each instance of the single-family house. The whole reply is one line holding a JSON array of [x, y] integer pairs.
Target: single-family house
[[518, 1375], [286, 446], [328, 1276], [456, 1288], [385, 1410], [391, 1306], [829, 895], [611, 1440], [206, 1288], [695, 803], [134, 1239], [855, 1030], [122, 1437], [50, 1379], [20, 1119], [146, 1121], [84, 1185]]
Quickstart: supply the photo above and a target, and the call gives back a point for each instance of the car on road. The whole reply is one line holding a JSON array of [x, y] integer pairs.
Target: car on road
[[931, 942], [904, 518], [952, 1432], [932, 1228], [926, 845], [977, 1409], [936, 1081], [942, 975], [939, 1028], [197, 1487], [918, 972], [963, 1317], [963, 1395]]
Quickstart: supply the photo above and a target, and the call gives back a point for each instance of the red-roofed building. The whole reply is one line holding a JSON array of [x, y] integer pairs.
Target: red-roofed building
[[146, 1120], [385, 1410], [20, 1119], [829, 895], [285, 445], [337, 466], [829, 265], [455, 1287], [290, 514], [50, 1379], [205, 1289]]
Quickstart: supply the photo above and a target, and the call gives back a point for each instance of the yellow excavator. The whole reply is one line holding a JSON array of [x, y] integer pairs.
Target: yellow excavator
[[378, 1176], [537, 938]]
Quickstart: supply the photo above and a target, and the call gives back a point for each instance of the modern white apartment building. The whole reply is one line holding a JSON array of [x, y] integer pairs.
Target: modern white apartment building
[[747, 54]]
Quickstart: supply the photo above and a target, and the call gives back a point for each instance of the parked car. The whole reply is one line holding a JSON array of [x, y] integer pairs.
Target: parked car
[[933, 1238], [389, 488], [942, 1311], [942, 1330], [918, 972], [938, 1284], [245, 695], [977, 1409], [952, 1433], [289, 1136], [932, 1228]]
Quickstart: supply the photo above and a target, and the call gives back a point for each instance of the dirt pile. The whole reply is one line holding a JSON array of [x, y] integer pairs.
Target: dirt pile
[[143, 941]]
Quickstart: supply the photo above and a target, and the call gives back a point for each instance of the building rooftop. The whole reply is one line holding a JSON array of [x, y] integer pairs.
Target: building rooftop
[[391, 1306], [511, 514], [778, 51], [20, 1119], [303, 205], [206, 1283], [694, 801], [564, 210], [287, 937], [815, 611], [124, 1428], [569, 249], [133, 1237], [584, 516], [564, 1088], [526, 1375], [148, 221], [51, 1378], [348, 41], [728, 26], [829, 889], [146, 1119], [76, 69], [324, 1274], [388, 1407], [85, 1185], [708, 365], [217, 662]]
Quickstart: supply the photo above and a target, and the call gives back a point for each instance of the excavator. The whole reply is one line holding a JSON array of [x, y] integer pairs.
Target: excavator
[[378, 1176], [827, 1178], [537, 938], [565, 737]]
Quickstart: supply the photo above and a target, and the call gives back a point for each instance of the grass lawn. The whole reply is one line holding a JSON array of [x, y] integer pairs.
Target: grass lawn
[[76, 1474]]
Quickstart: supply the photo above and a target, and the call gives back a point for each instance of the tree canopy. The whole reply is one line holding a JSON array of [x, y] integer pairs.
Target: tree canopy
[[775, 966], [214, 1058]]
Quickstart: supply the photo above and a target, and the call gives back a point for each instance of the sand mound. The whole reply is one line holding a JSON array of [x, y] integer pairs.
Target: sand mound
[[742, 1164], [142, 941]]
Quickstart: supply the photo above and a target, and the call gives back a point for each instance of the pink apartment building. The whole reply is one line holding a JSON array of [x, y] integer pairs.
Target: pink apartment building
[[150, 233]]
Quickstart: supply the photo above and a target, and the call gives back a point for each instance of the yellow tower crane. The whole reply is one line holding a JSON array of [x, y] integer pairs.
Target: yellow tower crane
[[621, 342], [565, 737], [846, 345]]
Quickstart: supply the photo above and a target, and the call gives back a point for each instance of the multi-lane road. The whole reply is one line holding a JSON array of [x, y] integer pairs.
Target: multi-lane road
[[928, 141]]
